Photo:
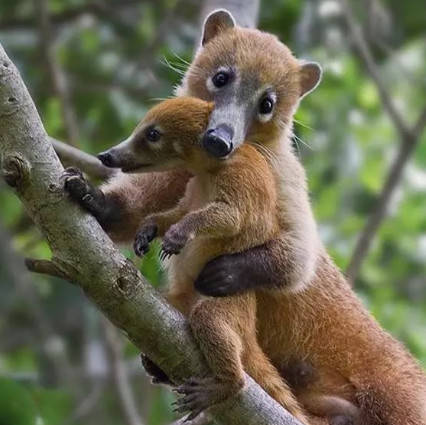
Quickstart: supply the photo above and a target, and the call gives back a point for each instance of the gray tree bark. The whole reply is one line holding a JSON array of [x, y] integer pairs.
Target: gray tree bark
[[83, 253]]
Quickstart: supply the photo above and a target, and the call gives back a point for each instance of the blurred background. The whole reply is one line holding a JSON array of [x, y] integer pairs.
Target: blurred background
[[93, 68]]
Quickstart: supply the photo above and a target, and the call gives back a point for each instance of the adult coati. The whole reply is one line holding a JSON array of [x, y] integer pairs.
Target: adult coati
[[256, 85]]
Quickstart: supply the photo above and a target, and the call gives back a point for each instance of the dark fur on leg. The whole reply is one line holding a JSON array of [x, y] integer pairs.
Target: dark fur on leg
[[105, 210], [237, 273]]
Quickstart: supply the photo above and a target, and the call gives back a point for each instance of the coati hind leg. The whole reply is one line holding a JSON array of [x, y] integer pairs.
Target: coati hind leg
[[230, 347], [220, 341]]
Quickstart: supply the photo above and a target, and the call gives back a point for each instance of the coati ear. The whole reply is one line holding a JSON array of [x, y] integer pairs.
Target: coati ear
[[217, 21], [310, 77]]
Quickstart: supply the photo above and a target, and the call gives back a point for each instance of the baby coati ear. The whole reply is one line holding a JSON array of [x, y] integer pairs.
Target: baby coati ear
[[217, 21], [310, 77]]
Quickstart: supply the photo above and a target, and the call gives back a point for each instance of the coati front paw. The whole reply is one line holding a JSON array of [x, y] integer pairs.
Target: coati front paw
[[81, 191], [173, 241], [158, 376], [144, 237], [198, 394]]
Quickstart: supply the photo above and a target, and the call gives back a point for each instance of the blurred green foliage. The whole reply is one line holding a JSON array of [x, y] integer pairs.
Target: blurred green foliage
[[113, 59]]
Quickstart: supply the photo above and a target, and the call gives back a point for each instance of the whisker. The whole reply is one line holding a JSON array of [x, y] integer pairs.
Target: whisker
[[181, 59], [301, 141], [268, 153], [170, 66], [302, 124]]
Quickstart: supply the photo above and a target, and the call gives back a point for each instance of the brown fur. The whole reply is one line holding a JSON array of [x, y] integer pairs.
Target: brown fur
[[322, 322], [225, 208]]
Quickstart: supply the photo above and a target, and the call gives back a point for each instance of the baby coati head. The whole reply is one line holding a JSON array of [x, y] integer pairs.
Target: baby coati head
[[254, 80], [168, 137]]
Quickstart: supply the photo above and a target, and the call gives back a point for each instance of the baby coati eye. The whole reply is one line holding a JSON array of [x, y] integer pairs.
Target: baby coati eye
[[152, 134], [220, 79], [266, 105]]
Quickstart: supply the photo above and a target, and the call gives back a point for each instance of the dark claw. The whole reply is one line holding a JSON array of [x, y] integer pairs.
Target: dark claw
[[198, 394], [174, 240], [144, 237]]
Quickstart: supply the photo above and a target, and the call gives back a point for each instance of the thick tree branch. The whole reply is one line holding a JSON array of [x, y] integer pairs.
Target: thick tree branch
[[409, 138], [84, 252]]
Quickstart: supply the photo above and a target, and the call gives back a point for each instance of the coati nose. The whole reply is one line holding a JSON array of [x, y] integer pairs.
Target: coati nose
[[106, 158], [218, 141]]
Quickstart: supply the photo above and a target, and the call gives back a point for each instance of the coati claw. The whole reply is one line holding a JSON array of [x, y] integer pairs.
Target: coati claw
[[144, 237], [164, 255], [174, 240], [198, 394]]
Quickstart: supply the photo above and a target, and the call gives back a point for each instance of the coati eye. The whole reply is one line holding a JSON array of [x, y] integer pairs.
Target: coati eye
[[220, 79], [266, 105], [152, 134]]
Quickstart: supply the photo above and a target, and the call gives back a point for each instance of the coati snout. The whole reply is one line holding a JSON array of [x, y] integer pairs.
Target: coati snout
[[218, 141]]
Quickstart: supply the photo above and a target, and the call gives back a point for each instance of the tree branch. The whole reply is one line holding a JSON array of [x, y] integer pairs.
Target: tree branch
[[409, 138], [96, 8], [89, 164], [366, 56], [85, 253], [55, 72], [120, 376]]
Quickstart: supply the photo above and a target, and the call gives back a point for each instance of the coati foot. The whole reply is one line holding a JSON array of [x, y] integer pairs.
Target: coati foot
[[81, 191], [198, 394], [158, 376], [145, 235], [222, 276], [173, 241]]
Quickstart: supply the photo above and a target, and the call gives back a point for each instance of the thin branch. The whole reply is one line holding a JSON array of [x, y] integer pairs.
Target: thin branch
[[366, 56], [89, 257], [409, 138], [95, 8], [89, 164], [46, 267], [60, 367], [119, 374], [56, 74]]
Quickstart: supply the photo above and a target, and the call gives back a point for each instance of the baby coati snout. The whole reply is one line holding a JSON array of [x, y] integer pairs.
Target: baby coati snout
[[169, 137]]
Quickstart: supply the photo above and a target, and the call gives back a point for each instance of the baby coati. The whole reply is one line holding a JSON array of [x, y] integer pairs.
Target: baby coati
[[228, 206], [256, 85]]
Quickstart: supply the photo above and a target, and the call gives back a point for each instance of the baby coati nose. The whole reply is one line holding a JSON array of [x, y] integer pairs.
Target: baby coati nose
[[218, 141], [106, 158]]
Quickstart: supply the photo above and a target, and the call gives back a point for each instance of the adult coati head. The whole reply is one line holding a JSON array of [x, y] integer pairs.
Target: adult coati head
[[168, 137], [254, 80]]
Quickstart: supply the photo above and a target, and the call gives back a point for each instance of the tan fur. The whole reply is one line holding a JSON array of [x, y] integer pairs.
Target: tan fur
[[225, 208], [322, 322]]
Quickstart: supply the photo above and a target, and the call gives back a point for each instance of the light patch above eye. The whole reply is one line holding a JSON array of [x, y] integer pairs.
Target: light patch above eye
[[222, 77]]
